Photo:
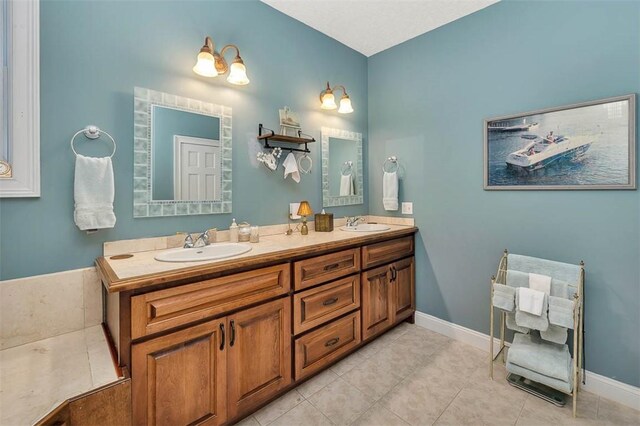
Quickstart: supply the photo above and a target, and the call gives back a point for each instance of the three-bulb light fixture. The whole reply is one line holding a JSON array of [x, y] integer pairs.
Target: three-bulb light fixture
[[329, 100], [212, 64]]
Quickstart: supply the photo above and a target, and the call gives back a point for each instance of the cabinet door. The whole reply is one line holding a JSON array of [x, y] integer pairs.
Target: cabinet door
[[180, 378], [403, 289], [259, 354], [377, 314]]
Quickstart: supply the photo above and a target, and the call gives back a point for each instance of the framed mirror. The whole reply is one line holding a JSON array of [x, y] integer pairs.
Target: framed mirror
[[342, 178], [182, 155]]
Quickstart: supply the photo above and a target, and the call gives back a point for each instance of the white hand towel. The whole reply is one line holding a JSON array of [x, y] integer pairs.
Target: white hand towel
[[540, 283], [390, 191], [530, 301], [346, 185], [291, 167], [93, 193]]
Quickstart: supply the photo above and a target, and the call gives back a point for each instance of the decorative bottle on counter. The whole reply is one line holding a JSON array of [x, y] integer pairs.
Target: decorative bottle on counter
[[233, 232]]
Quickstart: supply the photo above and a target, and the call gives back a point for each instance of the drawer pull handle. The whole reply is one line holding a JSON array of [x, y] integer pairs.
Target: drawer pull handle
[[232, 340], [330, 301], [332, 342], [332, 266], [221, 336]]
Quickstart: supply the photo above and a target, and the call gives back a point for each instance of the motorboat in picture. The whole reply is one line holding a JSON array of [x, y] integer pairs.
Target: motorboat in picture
[[509, 127], [541, 152]]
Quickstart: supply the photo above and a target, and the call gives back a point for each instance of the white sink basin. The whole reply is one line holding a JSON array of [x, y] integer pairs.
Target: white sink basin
[[366, 227], [199, 254]]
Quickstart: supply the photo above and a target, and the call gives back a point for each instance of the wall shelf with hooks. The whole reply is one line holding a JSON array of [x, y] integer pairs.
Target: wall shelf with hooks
[[267, 135]]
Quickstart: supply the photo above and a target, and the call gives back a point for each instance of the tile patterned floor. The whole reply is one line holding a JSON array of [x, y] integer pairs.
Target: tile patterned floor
[[412, 376]]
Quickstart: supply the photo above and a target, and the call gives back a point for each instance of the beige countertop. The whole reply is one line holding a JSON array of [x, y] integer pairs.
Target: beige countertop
[[142, 270]]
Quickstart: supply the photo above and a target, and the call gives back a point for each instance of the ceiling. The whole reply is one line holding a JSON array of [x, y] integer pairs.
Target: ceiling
[[371, 26]]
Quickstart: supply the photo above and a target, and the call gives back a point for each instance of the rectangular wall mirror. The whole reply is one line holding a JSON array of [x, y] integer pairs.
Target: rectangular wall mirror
[[182, 156], [342, 179]]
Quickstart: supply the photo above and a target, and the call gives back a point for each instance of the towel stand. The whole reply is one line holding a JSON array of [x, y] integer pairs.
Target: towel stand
[[577, 359], [92, 132]]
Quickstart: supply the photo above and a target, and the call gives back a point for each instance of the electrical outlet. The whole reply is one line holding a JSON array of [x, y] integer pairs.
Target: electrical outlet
[[407, 208], [293, 210]]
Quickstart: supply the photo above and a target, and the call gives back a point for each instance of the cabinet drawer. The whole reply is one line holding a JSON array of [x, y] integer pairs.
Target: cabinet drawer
[[320, 269], [386, 251], [321, 304], [165, 309], [321, 347]]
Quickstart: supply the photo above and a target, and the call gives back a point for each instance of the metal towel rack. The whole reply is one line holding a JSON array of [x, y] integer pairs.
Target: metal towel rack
[[393, 160], [92, 132]]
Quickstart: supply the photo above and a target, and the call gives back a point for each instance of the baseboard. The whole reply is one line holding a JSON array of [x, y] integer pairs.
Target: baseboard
[[595, 383]]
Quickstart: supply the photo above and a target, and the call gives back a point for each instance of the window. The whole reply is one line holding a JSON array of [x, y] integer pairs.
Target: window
[[20, 107], [5, 170]]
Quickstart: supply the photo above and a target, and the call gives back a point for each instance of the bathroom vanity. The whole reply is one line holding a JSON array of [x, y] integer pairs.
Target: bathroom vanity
[[211, 342]]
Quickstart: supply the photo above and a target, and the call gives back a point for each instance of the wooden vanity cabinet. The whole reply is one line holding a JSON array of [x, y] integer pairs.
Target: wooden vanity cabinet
[[180, 378], [210, 372], [259, 355], [212, 348], [388, 291]]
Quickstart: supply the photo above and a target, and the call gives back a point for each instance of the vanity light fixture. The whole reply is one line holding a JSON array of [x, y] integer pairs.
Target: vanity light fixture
[[210, 63], [304, 210], [328, 99]]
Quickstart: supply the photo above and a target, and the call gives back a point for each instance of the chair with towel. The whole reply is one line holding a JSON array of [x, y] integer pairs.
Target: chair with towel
[[540, 300]]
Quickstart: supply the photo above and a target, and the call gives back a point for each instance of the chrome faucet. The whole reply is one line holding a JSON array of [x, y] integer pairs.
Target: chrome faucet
[[188, 241], [353, 221], [204, 238]]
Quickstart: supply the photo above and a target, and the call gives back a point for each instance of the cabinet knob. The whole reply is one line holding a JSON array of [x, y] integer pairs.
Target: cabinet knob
[[221, 336], [330, 301], [332, 342]]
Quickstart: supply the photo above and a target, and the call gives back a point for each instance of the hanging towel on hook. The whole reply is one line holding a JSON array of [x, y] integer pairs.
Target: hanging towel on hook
[[93, 193], [346, 185], [390, 191], [291, 168]]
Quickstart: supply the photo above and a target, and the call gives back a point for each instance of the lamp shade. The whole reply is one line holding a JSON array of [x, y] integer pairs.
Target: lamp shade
[[345, 105], [328, 101], [206, 65], [305, 209], [238, 73]]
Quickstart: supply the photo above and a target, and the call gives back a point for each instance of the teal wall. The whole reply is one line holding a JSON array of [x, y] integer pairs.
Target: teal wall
[[168, 122], [93, 53], [427, 101]]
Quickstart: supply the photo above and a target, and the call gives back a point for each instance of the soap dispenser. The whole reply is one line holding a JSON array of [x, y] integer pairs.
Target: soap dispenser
[[233, 232]]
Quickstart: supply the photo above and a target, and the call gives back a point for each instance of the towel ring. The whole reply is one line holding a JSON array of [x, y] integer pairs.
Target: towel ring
[[302, 169], [345, 170], [92, 132], [391, 160]]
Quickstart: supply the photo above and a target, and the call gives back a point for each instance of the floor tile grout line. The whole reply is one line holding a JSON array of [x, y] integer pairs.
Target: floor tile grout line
[[266, 424], [445, 408]]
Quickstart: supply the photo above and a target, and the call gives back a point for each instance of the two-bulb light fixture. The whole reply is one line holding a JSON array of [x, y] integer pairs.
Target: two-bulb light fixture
[[328, 99], [212, 64]]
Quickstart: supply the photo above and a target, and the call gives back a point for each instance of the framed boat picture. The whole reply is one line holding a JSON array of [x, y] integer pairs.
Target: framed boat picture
[[590, 145]]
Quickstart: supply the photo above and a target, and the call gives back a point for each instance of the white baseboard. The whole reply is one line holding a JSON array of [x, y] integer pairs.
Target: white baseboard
[[603, 386]]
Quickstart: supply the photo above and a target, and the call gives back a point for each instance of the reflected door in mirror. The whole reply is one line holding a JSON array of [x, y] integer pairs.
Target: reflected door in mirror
[[197, 169]]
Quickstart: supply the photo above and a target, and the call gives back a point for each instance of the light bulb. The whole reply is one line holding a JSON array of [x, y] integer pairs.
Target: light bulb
[[345, 105], [206, 65], [238, 73], [328, 101]]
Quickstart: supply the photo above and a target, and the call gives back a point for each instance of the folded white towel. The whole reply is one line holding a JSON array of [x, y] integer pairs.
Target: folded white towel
[[93, 193], [530, 301], [291, 167], [540, 283], [390, 191], [346, 185]]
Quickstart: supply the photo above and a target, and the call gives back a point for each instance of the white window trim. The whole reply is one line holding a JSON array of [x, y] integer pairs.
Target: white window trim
[[24, 100]]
